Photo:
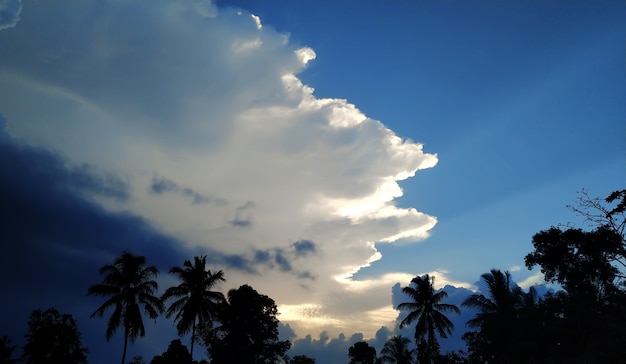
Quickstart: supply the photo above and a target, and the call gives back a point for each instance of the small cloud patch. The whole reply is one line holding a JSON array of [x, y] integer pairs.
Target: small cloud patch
[[304, 247], [162, 185]]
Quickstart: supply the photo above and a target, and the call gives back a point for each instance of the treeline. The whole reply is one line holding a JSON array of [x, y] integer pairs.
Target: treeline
[[240, 327], [584, 322]]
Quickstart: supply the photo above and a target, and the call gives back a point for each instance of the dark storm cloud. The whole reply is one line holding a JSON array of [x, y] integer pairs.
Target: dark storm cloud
[[53, 239], [37, 166], [42, 210], [108, 185]]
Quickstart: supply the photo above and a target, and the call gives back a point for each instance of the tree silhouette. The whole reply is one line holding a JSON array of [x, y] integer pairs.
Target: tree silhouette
[[129, 283], [248, 331], [301, 359], [6, 351], [609, 214], [396, 351], [580, 261], [137, 359], [496, 316], [428, 312], [195, 303], [362, 353], [588, 316], [53, 338], [176, 353], [502, 300]]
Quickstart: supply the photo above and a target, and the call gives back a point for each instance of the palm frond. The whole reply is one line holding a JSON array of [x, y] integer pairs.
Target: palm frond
[[426, 308], [128, 282]]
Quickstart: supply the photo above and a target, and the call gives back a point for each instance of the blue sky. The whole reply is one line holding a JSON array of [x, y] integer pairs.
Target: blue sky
[[390, 138]]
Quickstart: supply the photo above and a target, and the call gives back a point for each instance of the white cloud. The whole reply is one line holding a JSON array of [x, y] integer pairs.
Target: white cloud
[[305, 54], [533, 280], [257, 20], [209, 100]]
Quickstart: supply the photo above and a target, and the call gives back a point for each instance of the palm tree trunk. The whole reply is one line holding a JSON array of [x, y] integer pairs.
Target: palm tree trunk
[[431, 343], [193, 336], [125, 345]]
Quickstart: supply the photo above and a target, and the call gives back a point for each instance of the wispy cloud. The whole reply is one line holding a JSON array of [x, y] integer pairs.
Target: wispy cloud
[[162, 185], [9, 13]]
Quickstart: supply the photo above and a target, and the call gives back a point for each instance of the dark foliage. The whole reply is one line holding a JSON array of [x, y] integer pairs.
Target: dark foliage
[[301, 359], [580, 261], [496, 320], [6, 351], [608, 214], [137, 359], [454, 357], [248, 331], [396, 351], [583, 323], [53, 338], [621, 204], [589, 316], [362, 353], [176, 353]]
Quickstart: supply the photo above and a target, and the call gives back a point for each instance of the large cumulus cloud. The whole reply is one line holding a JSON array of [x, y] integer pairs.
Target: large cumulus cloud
[[212, 140]]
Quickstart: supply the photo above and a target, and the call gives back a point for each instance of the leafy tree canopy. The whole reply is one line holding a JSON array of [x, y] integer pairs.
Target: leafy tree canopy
[[176, 353], [362, 353], [248, 331], [586, 322], [53, 338], [580, 261]]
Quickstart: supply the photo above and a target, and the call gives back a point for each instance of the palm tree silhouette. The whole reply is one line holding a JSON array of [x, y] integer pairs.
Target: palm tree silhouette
[[396, 351], [504, 298], [130, 283], [497, 316], [6, 351], [427, 309], [195, 303]]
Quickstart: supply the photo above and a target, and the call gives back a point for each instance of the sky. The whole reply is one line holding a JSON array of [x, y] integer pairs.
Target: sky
[[323, 152]]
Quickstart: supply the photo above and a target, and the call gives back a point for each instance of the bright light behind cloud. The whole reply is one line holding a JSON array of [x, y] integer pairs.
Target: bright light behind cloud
[[199, 109]]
